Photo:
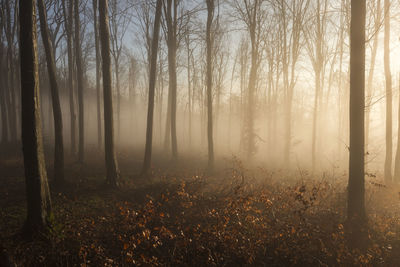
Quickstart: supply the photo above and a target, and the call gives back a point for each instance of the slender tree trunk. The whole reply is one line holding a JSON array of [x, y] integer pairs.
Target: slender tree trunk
[[172, 46], [315, 116], [37, 189], [167, 137], [3, 103], [68, 14], [397, 158], [388, 79], [210, 16], [189, 90], [110, 157], [356, 201], [98, 73], [57, 115], [10, 28], [152, 84], [118, 99], [370, 80], [79, 69]]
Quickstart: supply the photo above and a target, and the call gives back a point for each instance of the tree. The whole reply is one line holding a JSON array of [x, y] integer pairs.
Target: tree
[[291, 18], [388, 79], [210, 16], [119, 25], [68, 15], [10, 28], [253, 16], [317, 50], [98, 72], [37, 189], [152, 85], [176, 20], [377, 23], [356, 201], [57, 115], [79, 70], [110, 157], [3, 103]]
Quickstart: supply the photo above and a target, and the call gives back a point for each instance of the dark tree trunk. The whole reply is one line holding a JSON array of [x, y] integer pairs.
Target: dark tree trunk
[[55, 99], [172, 46], [3, 103], [152, 84], [356, 201], [210, 16], [68, 15], [96, 40], [12, 107], [110, 157], [79, 69], [37, 189]]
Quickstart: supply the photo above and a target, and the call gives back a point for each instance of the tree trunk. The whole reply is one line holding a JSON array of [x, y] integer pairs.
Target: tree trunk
[[172, 43], [370, 79], [110, 157], [3, 104], [152, 85], [388, 79], [210, 16], [397, 158], [55, 98], [118, 99], [79, 69], [68, 14], [12, 108], [356, 201], [37, 189], [96, 40]]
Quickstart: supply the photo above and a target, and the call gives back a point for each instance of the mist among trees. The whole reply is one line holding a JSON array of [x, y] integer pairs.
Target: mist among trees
[[199, 132]]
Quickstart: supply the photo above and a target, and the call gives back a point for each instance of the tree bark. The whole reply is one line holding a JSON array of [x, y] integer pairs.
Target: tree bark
[[110, 157], [68, 15], [210, 16], [37, 189], [370, 79], [79, 69], [55, 98], [356, 201], [152, 84], [388, 79], [172, 46], [3, 103], [97, 48]]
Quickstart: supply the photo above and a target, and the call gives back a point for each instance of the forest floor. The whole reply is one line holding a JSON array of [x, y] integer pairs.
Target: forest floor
[[184, 217]]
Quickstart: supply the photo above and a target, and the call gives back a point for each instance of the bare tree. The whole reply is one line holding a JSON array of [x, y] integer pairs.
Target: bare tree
[[317, 50], [176, 20], [110, 157], [388, 79], [291, 16], [119, 22], [98, 71], [68, 17], [356, 201], [209, 40], [37, 189], [152, 85], [3, 103], [79, 70], [57, 115], [10, 27], [376, 10]]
